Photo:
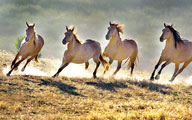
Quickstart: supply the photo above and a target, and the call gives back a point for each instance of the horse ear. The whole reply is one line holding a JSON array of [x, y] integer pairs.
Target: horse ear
[[165, 25], [67, 28], [27, 24], [110, 23], [171, 25], [73, 29], [34, 25]]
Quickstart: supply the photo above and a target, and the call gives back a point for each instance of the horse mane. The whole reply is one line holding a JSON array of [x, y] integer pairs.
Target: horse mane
[[176, 35], [120, 28], [75, 35]]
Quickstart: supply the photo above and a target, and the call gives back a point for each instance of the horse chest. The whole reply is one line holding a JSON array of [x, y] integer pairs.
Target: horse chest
[[26, 48], [111, 51]]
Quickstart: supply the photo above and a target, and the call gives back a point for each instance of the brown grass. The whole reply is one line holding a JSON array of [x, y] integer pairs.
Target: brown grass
[[36, 97]]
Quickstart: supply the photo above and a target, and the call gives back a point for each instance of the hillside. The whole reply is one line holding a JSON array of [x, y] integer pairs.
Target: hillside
[[42, 97]]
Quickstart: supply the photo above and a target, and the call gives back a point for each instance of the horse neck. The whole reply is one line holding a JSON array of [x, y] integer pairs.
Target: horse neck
[[73, 44], [115, 39], [170, 43], [33, 39]]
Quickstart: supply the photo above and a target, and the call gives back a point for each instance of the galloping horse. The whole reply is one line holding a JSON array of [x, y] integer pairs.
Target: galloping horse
[[176, 51], [30, 46], [120, 50], [81, 53]]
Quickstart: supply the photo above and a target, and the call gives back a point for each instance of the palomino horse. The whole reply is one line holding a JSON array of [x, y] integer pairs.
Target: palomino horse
[[81, 53], [120, 50], [176, 51], [30, 46]]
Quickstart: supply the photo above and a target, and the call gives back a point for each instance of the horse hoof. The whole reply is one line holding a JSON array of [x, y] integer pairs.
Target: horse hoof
[[172, 79], [157, 77], [22, 70], [152, 78], [94, 76], [54, 75], [8, 74]]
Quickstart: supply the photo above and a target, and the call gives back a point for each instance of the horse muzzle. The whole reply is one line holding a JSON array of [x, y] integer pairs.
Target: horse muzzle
[[27, 39], [64, 42], [161, 39], [107, 37]]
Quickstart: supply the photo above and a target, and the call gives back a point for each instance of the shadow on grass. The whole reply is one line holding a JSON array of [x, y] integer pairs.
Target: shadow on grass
[[108, 86], [163, 89], [63, 87]]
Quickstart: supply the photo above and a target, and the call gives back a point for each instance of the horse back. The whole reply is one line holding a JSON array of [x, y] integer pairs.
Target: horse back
[[130, 43]]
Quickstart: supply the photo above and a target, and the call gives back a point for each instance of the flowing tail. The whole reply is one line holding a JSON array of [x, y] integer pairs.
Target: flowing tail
[[131, 62], [104, 62]]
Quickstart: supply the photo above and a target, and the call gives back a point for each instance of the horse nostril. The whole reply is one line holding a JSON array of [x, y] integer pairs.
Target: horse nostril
[[64, 41], [27, 39], [161, 39]]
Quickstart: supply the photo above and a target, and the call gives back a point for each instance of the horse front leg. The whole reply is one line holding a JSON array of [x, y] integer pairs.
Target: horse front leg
[[13, 62], [15, 66], [163, 66], [156, 66], [60, 69], [180, 70]]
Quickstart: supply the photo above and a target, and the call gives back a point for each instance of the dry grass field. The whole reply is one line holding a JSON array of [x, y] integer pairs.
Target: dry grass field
[[43, 97]]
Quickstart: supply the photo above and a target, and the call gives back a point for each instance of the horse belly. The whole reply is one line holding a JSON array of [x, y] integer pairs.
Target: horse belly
[[123, 53], [182, 58], [82, 58]]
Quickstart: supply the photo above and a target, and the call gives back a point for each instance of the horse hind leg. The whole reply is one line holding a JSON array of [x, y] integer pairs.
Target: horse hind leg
[[176, 70], [180, 70], [86, 64], [97, 66], [36, 59], [26, 63], [118, 67], [110, 62]]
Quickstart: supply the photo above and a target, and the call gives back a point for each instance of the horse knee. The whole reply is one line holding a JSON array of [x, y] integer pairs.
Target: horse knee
[[156, 66]]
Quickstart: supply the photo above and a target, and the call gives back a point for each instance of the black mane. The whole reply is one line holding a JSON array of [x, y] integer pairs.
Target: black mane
[[176, 35]]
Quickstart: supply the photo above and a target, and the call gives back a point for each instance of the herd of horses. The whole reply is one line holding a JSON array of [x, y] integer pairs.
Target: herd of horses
[[176, 50]]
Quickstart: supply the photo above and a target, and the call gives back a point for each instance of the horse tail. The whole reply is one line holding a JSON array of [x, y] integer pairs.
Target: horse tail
[[104, 62], [132, 61], [36, 59]]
